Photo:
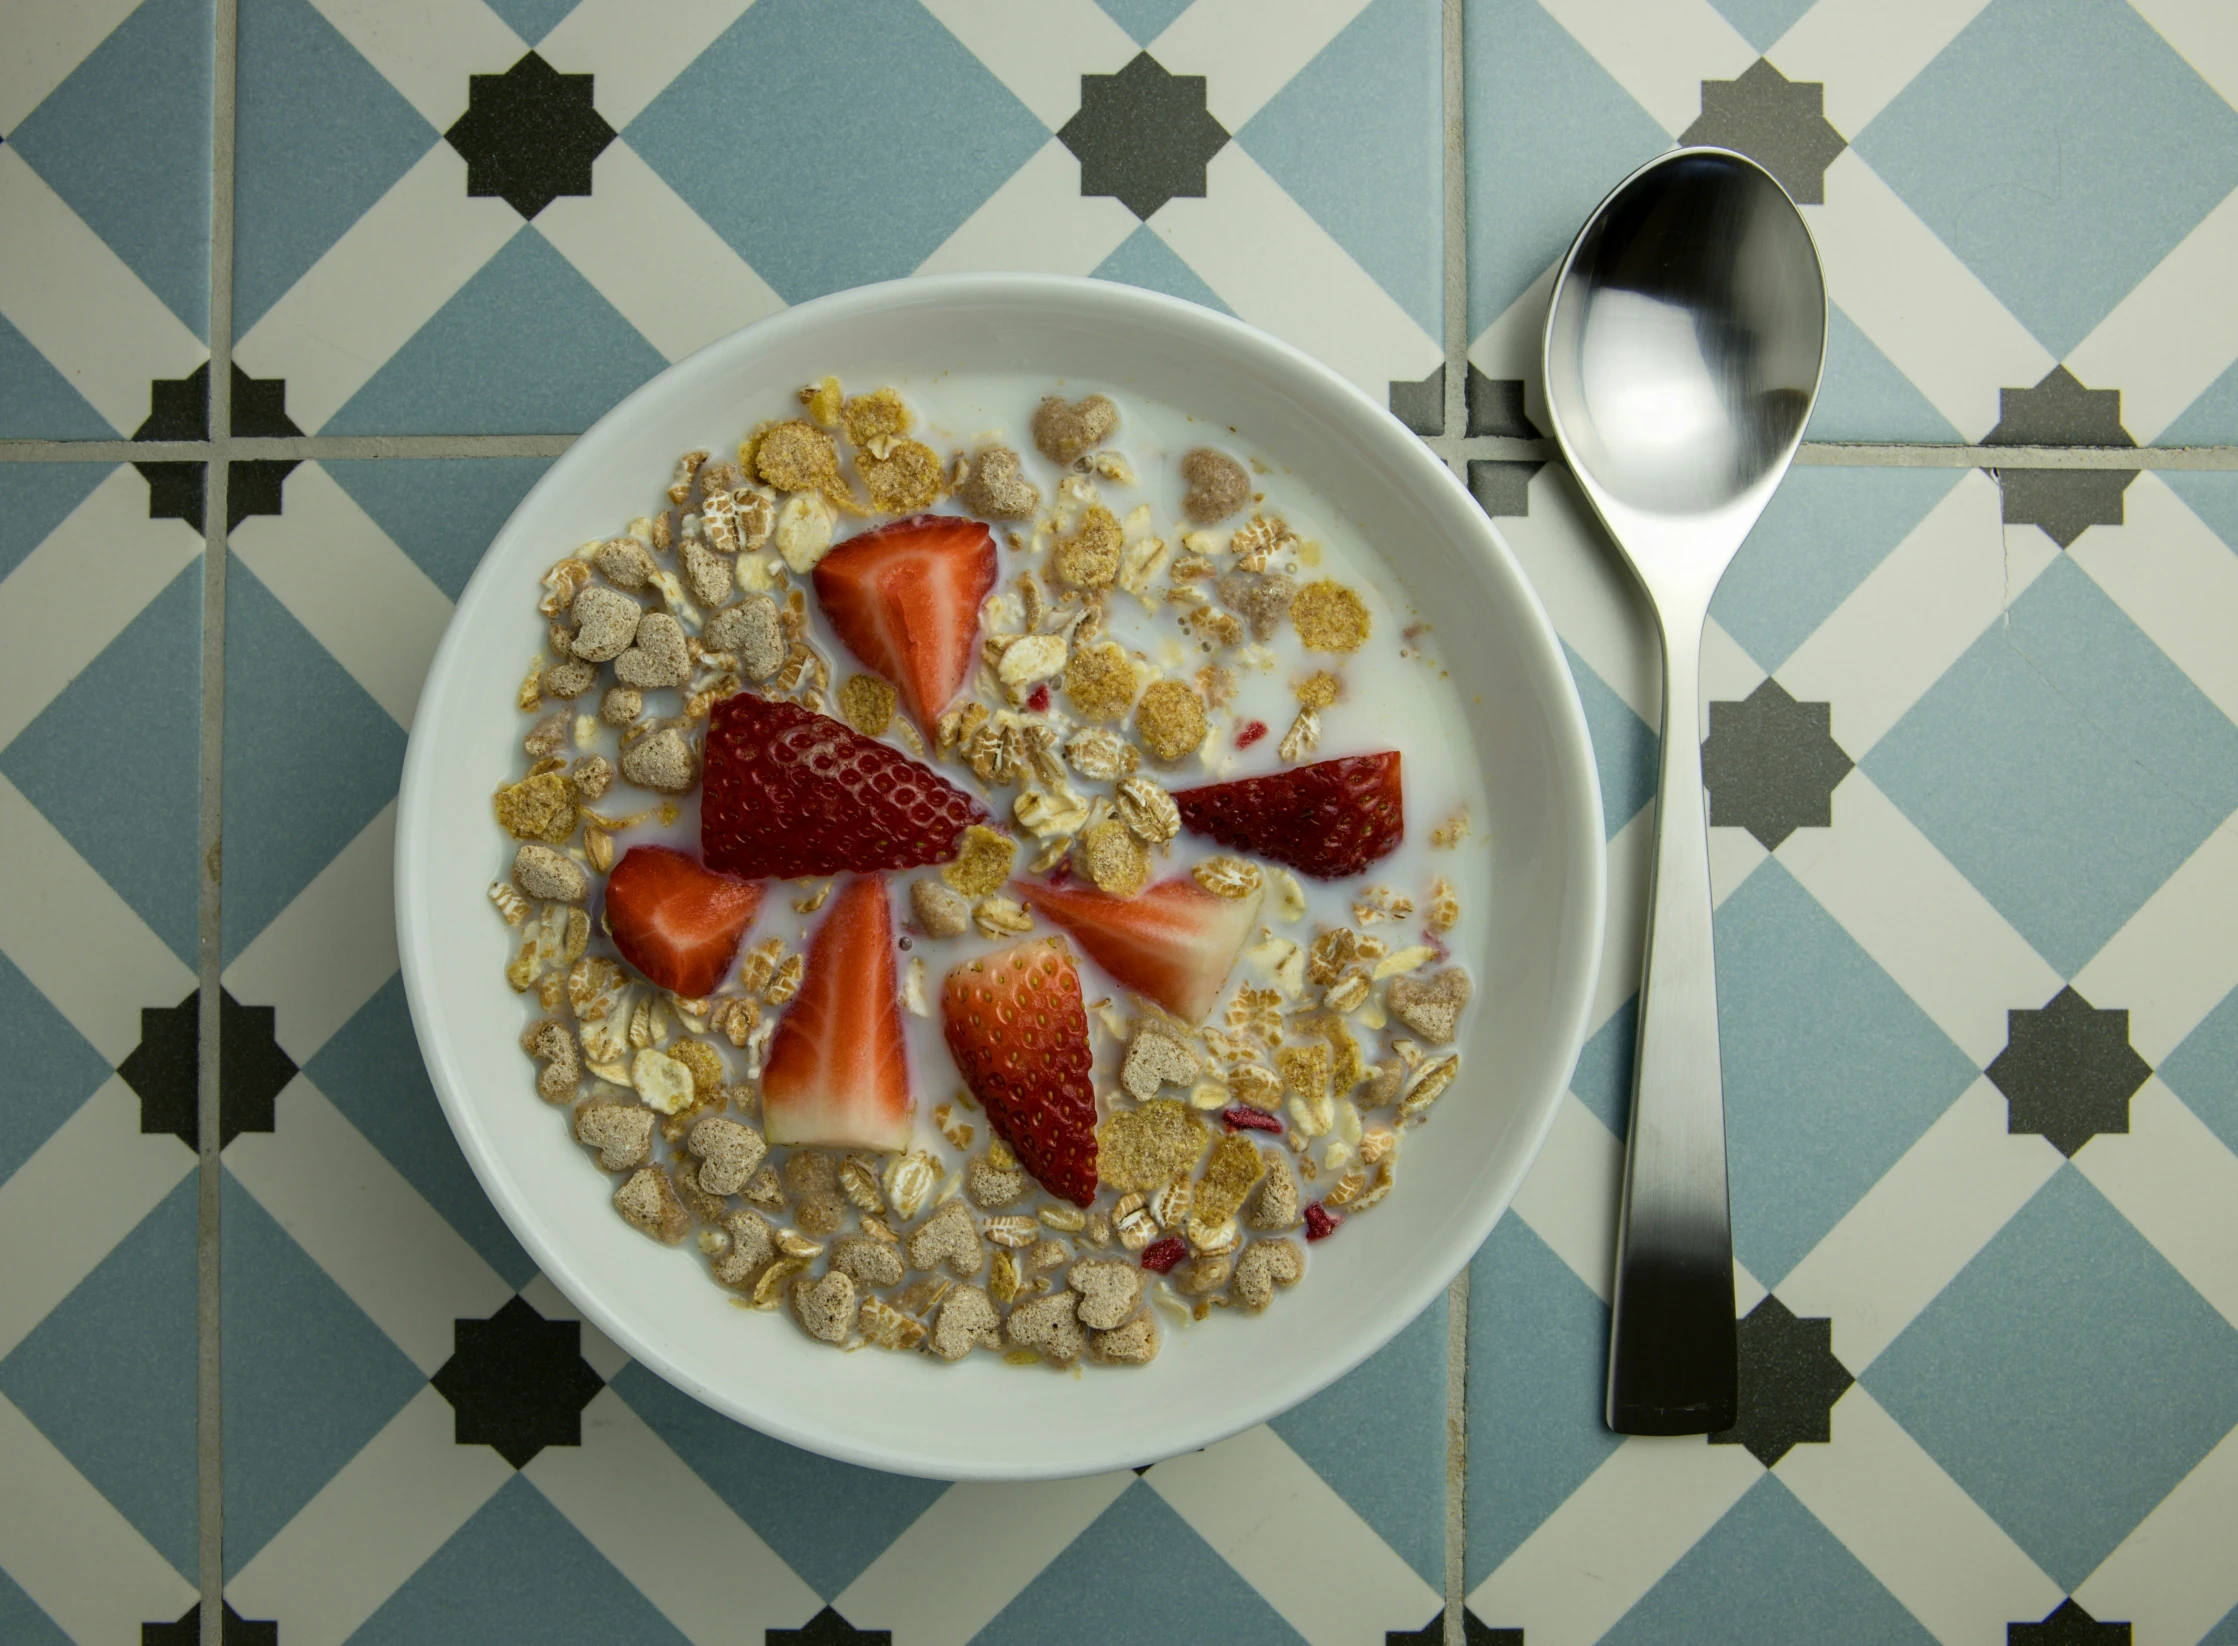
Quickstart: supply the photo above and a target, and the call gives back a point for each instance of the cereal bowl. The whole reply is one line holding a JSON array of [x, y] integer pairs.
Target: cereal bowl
[[1533, 946]]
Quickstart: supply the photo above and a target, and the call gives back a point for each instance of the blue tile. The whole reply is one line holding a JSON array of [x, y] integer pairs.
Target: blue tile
[[51, 1069], [1356, 138], [1603, 1079], [533, 19], [37, 497], [309, 758], [22, 1622], [2210, 420], [308, 1378], [2027, 145], [518, 1571], [487, 362], [1831, 1072], [125, 140], [826, 1520], [2203, 1071], [442, 511], [1822, 534], [2224, 1633], [1863, 396], [320, 136], [1625, 747], [2063, 765], [134, 815], [1762, 22], [1768, 1571], [1094, 1594], [1142, 259], [39, 403], [109, 1376], [1377, 1436], [816, 206], [2212, 497], [1549, 133], [372, 1071], [1538, 1359], [2067, 1379], [1144, 20]]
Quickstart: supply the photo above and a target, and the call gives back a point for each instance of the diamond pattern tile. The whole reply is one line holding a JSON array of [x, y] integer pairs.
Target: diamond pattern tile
[[52, 1069]]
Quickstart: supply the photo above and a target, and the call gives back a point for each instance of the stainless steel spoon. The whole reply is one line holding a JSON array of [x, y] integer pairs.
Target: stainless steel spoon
[[1683, 350]]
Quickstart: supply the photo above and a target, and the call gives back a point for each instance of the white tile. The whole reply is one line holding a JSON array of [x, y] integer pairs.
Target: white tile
[[1911, 1233], [1037, 220], [343, 1203], [69, 1549], [1729, 674], [1917, 303], [81, 588], [972, 1552], [45, 46], [1269, 261], [1658, 50], [427, 49], [709, 1572], [2178, 1183], [2177, 957], [1266, 1513], [1589, 592], [326, 953], [51, 1204], [2201, 30], [635, 47], [1245, 63], [76, 302], [2172, 1578], [361, 597], [1865, 52], [654, 258], [1041, 51], [377, 285], [1570, 1197], [1590, 1561], [2176, 332], [1914, 1528], [79, 943], [370, 1527], [1735, 854], [2175, 579]]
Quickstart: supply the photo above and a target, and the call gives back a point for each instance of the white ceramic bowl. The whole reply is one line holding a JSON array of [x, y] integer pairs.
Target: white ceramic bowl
[[981, 1419]]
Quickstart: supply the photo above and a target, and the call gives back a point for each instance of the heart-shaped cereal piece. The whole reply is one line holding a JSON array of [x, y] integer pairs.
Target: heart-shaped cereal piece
[[605, 623], [949, 1237], [752, 1244], [728, 1153], [967, 1321], [826, 1307], [1275, 1204], [996, 488], [1218, 486], [622, 1133], [1064, 432], [709, 574], [1049, 1327], [993, 1183], [866, 1260], [659, 659], [1134, 1344], [661, 761], [648, 1200], [1109, 1290], [1431, 1006], [752, 632], [1265, 1265], [1155, 1060]]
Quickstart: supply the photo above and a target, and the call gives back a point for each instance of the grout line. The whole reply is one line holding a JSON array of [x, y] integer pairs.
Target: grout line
[[296, 447], [1456, 1457], [1897, 455], [216, 508], [1455, 420]]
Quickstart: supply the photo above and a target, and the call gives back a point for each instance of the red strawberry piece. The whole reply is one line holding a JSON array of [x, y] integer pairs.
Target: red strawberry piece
[[1160, 1256], [1329, 819], [790, 792], [1250, 1120], [1175, 943], [1037, 701], [1321, 1222], [1019, 1035], [905, 599], [678, 923], [838, 1071], [1250, 733]]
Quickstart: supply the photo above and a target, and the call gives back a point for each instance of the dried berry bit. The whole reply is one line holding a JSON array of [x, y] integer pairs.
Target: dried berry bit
[[1089, 558], [994, 486], [1134, 1344], [605, 623], [826, 1307], [550, 1043], [1218, 486], [1265, 1265], [983, 863], [1153, 1061], [1063, 432], [569, 680], [1112, 857], [948, 1237], [1320, 1222], [1250, 732], [622, 1133], [1144, 1148], [967, 1321], [1330, 617], [1101, 681], [659, 657], [551, 876], [1160, 1256], [751, 632], [1050, 1327], [1171, 720], [661, 761], [541, 807], [1254, 1120], [729, 1154], [650, 1203]]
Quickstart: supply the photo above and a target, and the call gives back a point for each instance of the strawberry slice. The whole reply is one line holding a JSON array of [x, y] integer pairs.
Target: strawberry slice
[[1020, 1038], [678, 923], [905, 599], [1329, 819], [838, 1070], [1175, 943], [790, 792]]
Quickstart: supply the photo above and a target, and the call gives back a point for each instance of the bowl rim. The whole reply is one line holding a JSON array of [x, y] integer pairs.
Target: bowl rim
[[1410, 1291]]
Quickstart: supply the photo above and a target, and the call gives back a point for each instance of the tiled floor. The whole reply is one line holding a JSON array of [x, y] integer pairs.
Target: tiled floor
[[1969, 721]]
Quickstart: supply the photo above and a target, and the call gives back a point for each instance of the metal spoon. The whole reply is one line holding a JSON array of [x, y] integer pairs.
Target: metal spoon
[[1683, 350]]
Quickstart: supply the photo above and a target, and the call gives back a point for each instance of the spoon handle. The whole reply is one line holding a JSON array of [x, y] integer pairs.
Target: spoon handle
[[1672, 1368]]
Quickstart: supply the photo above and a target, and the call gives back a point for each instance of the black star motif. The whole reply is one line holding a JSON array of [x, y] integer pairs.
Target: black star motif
[[1777, 122], [2067, 1625], [529, 135], [517, 1383], [1431, 1633], [1789, 1383], [2068, 1071], [1476, 1632], [827, 1628], [179, 409], [233, 1629], [1772, 764], [2059, 411], [1421, 405], [1502, 487], [1142, 135], [163, 1069], [1496, 407]]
